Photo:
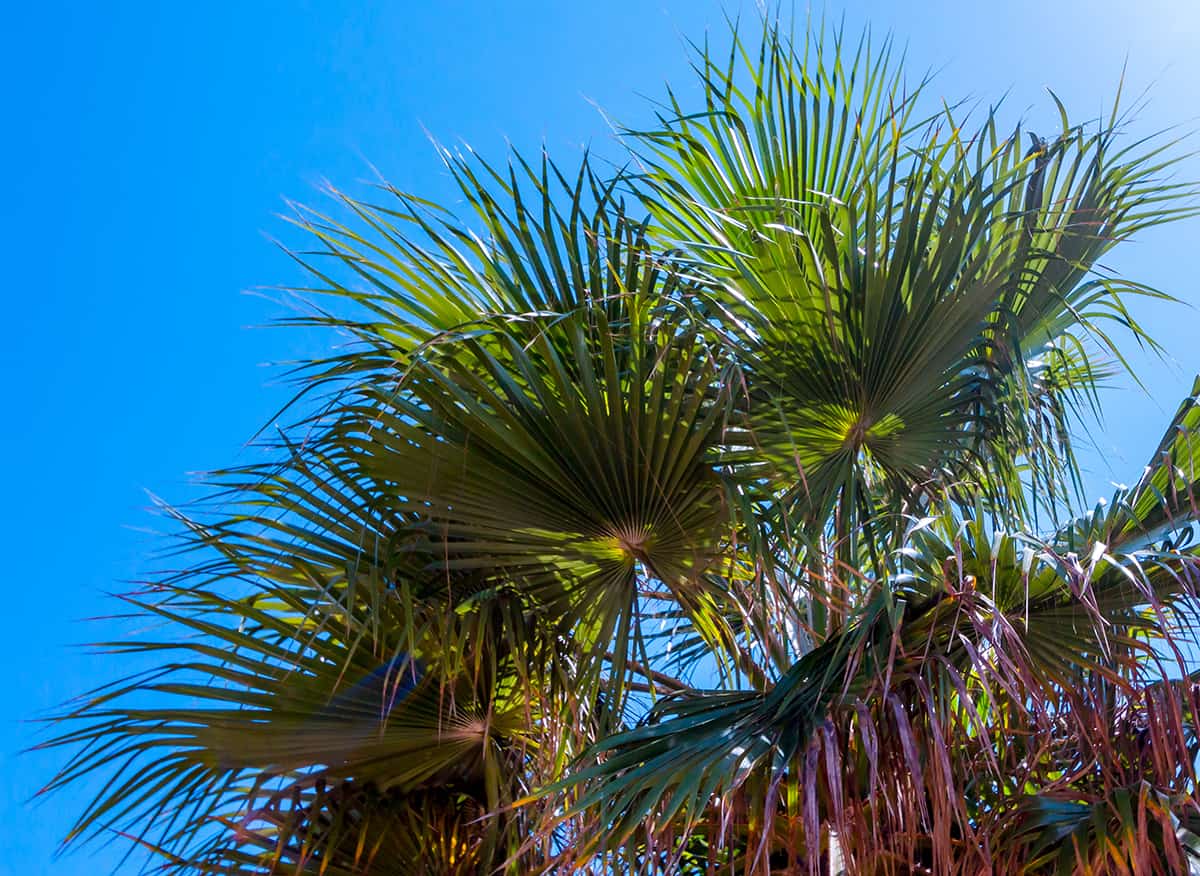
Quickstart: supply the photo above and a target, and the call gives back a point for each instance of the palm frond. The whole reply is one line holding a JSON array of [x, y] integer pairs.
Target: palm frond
[[718, 514]]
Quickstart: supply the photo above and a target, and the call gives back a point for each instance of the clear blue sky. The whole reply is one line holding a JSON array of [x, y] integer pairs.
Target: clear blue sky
[[149, 145]]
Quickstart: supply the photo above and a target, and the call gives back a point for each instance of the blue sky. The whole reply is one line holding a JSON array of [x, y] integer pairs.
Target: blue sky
[[150, 146]]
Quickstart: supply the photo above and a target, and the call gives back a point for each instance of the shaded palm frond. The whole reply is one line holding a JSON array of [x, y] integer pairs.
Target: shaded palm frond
[[989, 673]]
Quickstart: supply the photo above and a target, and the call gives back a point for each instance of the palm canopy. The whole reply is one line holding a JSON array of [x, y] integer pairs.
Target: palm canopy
[[713, 515]]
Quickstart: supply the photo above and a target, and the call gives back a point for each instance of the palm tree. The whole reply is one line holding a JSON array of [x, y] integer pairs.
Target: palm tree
[[716, 514]]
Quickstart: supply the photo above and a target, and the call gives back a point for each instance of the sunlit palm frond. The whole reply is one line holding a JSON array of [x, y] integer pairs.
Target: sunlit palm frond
[[690, 519], [918, 299]]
